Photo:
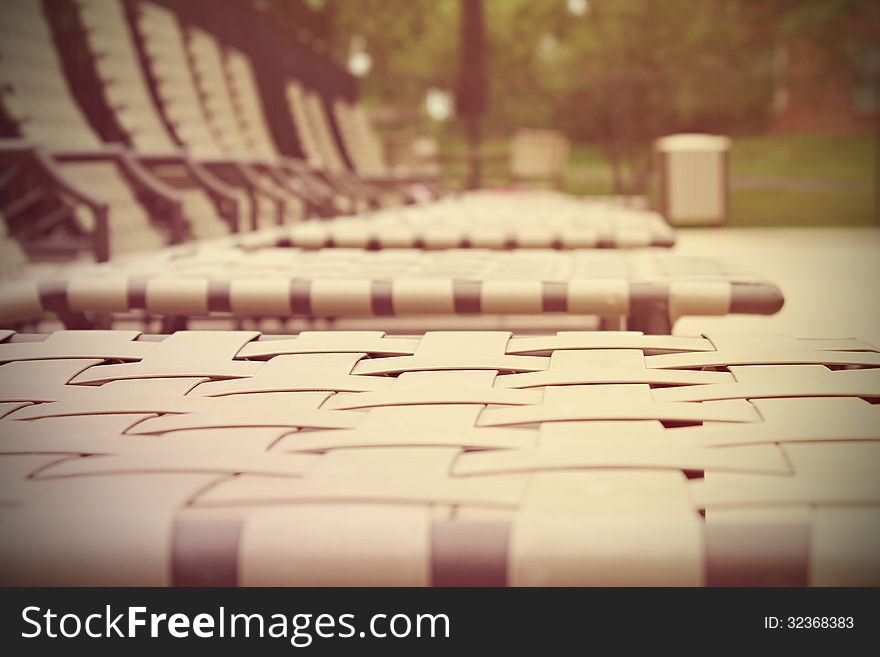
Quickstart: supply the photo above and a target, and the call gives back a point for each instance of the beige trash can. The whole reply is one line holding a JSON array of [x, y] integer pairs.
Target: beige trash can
[[692, 179]]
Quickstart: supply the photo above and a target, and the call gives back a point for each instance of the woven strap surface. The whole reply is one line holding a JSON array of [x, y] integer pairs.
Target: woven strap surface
[[398, 282], [453, 458], [491, 220]]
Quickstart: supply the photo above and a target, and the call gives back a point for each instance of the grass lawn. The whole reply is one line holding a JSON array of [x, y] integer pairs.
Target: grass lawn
[[786, 207], [777, 180], [826, 157], [846, 160]]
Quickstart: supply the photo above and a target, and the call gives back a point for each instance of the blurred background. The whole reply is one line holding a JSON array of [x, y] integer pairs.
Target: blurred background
[[793, 82]]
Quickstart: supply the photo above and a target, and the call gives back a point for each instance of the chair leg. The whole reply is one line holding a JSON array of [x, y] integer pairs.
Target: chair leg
[[174, 323], [612, 323], [651, 318], [75, 321]]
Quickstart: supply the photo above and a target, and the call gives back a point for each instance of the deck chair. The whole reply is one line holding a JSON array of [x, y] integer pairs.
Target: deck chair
[[360, 141], [498, 221], [538, 156], [315, 134], [535, 155], [450, 459], [17, 261], [365, 151], [527, 216], [125, 93], [121, 185], [167, 65], [245, 127], [225, 110], [641, 290], [256, 134], [74, 162]]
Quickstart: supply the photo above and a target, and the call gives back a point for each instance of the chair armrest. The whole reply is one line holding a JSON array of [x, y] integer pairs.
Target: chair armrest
[[145, 180], [102, 152], [256, 183], [131, 166], [312, 179], [100, 210], [13, 147], [139, 176], [223, 195]]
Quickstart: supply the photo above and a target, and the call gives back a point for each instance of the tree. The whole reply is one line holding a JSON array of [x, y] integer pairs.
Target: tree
[[640, 69], [471, 83], [620, 75]]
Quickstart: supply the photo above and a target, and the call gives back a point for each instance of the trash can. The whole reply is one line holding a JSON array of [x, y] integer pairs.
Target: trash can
[[691, 177]]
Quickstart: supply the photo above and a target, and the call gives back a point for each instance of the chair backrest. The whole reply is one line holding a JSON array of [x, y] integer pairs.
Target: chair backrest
[[313, 129], [321, 124], [207, 66], [247, 104], [168, 62], [359, 137], [538, 155], [299, 114], [124, 87], [35, 93]]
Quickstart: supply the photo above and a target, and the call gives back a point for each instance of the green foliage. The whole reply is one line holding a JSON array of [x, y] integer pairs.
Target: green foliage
[[618, 76], [413, 45], [704, 64], [839, 31], [547, 65]]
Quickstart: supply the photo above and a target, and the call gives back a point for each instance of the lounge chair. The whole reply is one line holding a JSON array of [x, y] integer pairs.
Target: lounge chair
[[113, 198], [645, 290], [216, 114], [256, 134], [177, 95], [493, 220], [469, 459], [366, 153], [313, 129]]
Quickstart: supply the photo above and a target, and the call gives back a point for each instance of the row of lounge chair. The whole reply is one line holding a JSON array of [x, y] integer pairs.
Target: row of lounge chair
[[195, 140], [541, 452], [198, 143]]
